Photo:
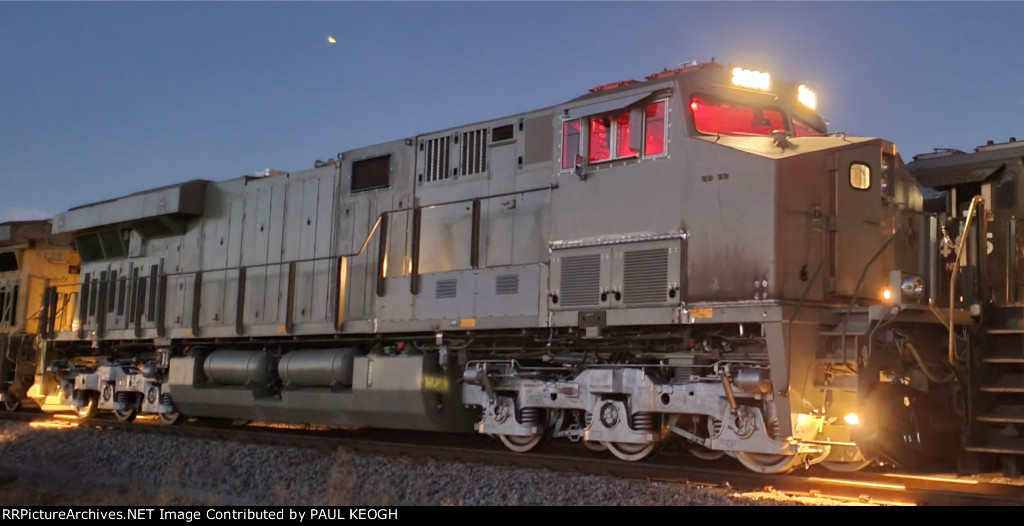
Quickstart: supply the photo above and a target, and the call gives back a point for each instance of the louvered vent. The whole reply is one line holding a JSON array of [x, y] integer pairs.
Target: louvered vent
[[581, 280], [445, 288], [645, 276], [436, 159], [507, 284], [474, 152]]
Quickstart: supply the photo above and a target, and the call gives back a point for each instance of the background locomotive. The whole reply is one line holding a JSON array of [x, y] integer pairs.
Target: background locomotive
[[688, 256], [31, 261]]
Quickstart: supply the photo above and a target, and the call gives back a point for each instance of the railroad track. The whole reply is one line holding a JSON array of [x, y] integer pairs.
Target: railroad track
[[877, 488]]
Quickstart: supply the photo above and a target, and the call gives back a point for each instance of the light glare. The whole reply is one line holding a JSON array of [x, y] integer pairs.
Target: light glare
[[852, 419], [807, 97], [887, 294], [747, 78]]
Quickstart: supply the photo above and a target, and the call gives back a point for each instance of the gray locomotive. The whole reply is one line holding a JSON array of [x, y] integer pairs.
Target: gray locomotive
[[691, 256]]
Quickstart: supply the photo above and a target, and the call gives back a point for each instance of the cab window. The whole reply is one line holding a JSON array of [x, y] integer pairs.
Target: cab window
[[611, 136], [717, 117], [802, 129]]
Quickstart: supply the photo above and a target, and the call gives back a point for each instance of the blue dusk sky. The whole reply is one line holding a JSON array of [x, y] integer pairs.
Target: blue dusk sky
[[99, 100]]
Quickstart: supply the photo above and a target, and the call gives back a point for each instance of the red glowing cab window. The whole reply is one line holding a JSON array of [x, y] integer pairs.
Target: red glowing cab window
[[622, 148], [600, 139], [570, 143], [803, 129], [654, 137], [729, 118]]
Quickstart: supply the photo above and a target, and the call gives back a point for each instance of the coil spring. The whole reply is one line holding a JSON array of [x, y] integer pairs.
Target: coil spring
[[81, 398], [714, 427], [165, 399], [644, 421], [532, 416], [774, 430], [120, 398]]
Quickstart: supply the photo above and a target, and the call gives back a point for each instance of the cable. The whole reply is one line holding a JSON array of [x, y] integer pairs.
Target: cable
[[924, 368]]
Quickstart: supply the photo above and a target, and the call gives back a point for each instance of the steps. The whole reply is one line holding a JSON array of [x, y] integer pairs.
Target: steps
[[840, 349], [996, 385]]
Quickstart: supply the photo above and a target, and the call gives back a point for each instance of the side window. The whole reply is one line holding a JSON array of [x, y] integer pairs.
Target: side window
[[600, 139], [8, 262], [654, 129], [622, 147], [860, 176], [610, 137], [372, 173], [570, 143]]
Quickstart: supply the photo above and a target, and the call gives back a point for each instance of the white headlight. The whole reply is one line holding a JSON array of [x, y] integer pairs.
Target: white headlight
[[747, 78], [807, 97]]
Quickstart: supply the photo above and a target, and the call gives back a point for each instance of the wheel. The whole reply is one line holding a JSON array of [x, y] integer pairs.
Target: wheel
[[88, 410], [845, 467], [714, 429], [704, 453], [630, 452], [521, 444], [171, 418], [768, 463], [126, 416], [11, 402], [595, 446]]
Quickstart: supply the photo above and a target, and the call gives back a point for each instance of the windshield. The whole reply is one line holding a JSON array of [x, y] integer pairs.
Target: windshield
[[721, 117]]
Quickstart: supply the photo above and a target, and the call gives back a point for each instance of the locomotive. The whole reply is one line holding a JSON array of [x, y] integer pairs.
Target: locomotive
[[31, 261], [691, 257]]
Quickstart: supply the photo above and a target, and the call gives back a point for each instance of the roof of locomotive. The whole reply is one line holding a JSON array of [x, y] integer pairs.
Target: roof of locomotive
[[21, 232], [944, 168], [707, 75]]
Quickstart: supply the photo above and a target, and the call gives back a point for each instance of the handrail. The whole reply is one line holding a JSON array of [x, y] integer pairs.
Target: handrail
[[956, 270]]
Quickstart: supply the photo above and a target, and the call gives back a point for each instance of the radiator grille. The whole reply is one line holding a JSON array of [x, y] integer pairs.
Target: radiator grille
[[581, 280], [474, 152], [645, 276], [445, 288], [436, 159], [507, 284]]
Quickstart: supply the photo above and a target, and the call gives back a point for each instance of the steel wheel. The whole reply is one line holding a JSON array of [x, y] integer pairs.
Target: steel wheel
[[125, 416], [88, 410], [630, 452], [170, 418], [704, 453], [845, 467], [769, 463], [595, 446], [521, 444], [11, 402]]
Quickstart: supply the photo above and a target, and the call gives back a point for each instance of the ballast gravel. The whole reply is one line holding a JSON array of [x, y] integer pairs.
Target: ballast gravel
[[83, 466]]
